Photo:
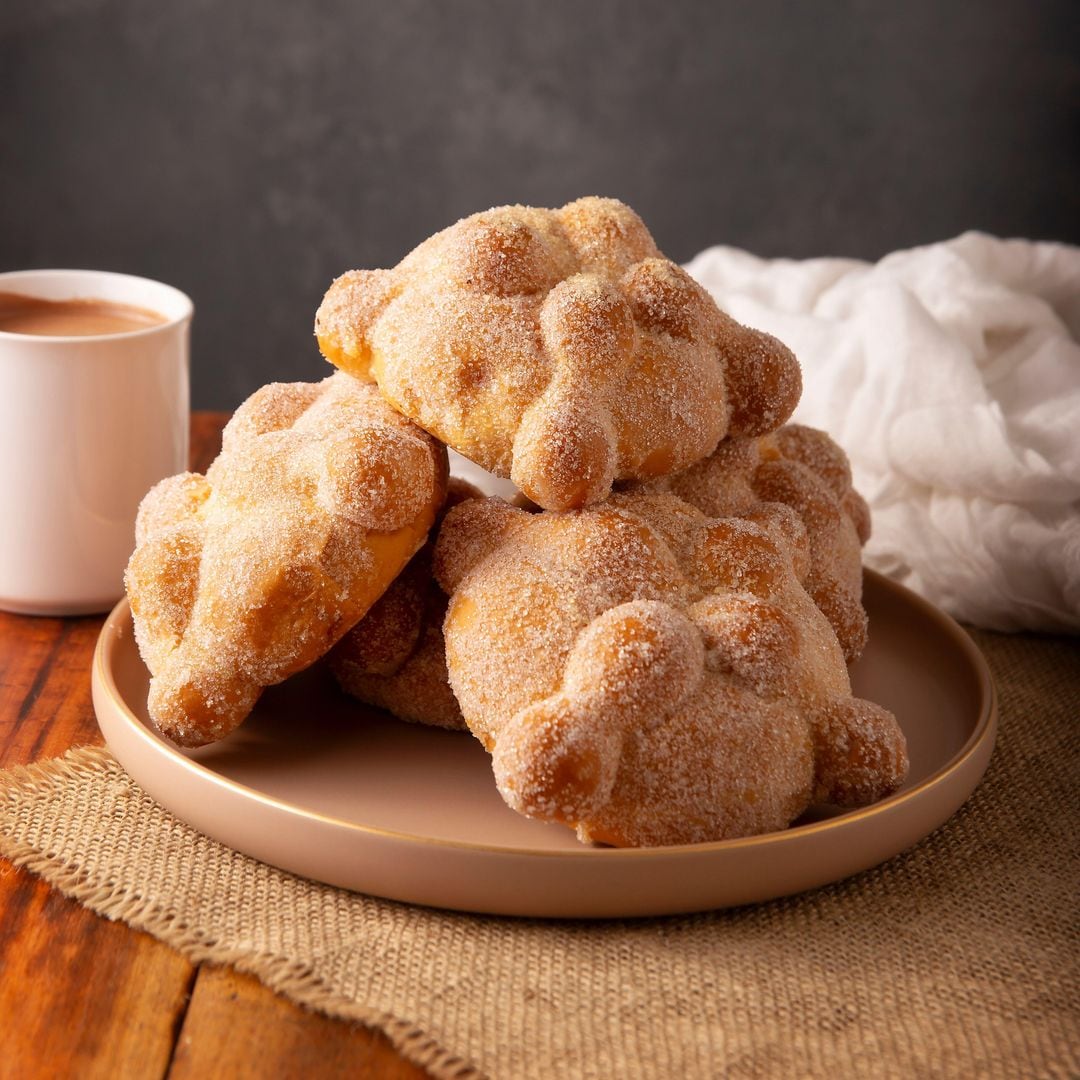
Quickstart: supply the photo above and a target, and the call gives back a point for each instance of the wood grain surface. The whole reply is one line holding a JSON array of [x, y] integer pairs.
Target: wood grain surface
[[82, 996]]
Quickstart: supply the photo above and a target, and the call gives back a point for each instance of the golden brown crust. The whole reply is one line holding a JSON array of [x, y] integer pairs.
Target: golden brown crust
[[394, 657], [558, 347], [240, 578], [802, 468], [411, 684], [648, 675]]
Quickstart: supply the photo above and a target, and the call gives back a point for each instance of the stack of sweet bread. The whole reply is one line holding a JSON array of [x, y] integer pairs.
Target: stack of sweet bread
[[651, 641]]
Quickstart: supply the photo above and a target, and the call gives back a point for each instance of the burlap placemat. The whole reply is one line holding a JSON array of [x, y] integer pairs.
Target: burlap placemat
[[957, 958]]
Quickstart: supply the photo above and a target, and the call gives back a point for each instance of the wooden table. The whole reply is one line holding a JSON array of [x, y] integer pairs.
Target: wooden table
[[81, 996]]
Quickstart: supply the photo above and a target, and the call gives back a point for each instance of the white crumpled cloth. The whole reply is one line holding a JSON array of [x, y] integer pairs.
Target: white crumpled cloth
[[951, 376]]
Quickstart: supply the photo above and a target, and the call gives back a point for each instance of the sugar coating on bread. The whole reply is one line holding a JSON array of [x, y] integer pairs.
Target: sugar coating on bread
[[649, 675], [559, 348], [320, 495], [801, 468], [394, 657]]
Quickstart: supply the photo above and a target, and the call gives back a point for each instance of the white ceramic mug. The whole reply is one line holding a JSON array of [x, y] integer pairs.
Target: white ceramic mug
[[87, 426]]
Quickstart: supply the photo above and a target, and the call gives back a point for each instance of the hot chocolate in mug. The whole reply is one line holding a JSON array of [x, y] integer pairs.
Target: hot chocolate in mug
[[94, 400]]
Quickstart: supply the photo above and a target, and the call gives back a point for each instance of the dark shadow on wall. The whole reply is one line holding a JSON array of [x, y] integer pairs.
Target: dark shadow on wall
[[250, 152]]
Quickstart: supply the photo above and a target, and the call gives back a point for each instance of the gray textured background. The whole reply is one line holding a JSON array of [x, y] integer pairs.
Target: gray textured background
[[250, 152]]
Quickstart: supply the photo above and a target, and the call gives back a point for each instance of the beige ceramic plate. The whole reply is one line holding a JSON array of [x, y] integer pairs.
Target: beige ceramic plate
[[320, 786]]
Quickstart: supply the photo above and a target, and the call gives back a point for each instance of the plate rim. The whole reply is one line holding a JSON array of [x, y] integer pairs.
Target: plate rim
[[984, 731]]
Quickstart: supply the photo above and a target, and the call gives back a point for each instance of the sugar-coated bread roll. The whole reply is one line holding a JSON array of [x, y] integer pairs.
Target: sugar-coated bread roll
[[648, 675], [244, 576], [558, 348]]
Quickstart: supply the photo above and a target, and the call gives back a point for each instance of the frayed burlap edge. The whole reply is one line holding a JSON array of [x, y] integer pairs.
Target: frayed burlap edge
[[118, 903]]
